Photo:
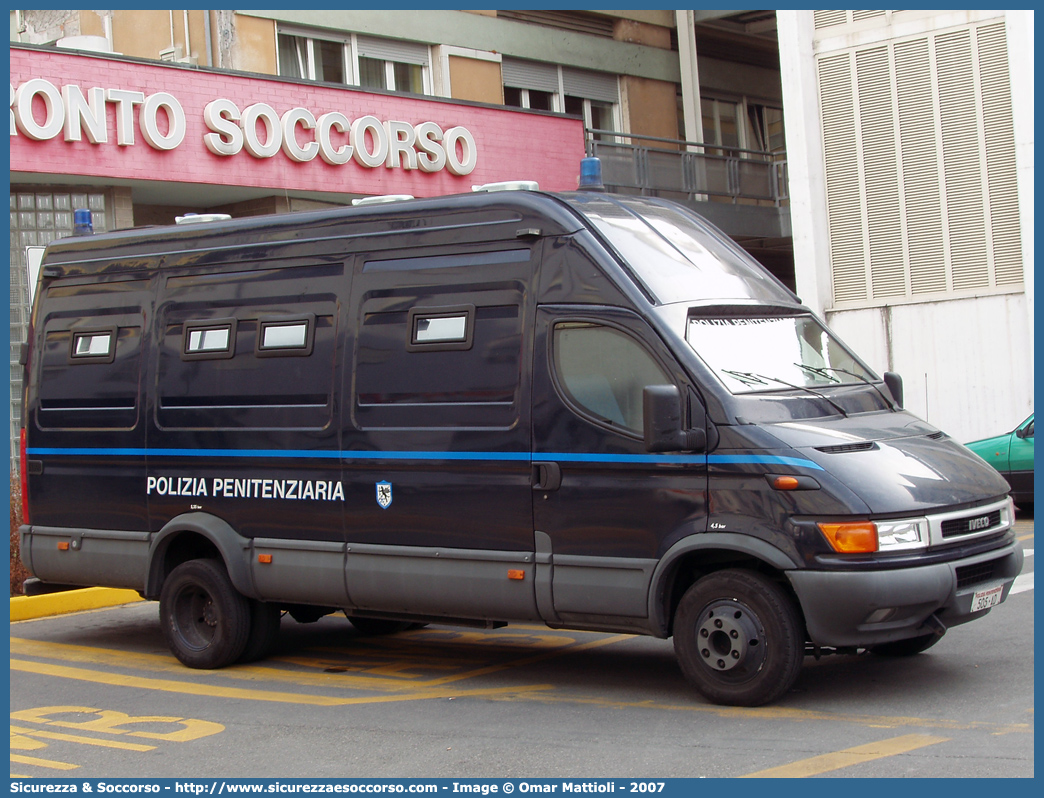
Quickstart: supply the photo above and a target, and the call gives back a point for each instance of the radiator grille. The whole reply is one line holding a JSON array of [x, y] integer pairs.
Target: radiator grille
[[969, 524], [968, 575]]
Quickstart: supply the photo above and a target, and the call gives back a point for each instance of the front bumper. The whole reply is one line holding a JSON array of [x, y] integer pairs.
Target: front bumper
[[864, 608]]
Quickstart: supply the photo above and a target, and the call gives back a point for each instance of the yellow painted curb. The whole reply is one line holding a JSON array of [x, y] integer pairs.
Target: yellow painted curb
[[25, 608]]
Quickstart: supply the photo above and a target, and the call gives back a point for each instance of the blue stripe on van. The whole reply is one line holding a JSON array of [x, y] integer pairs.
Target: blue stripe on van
[[518, 457]]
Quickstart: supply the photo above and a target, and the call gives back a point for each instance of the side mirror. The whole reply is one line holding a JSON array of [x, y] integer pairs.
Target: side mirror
[[1025, 432], [662, 420], [894, 383]]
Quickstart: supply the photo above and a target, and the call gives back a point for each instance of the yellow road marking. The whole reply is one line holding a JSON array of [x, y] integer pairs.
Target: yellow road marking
[[75, 738], [850, 756], [783, 714], [1021, 538], [171, 686], [260, 673], [42, 763]]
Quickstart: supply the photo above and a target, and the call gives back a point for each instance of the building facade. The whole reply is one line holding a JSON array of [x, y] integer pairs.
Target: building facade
[[879, 162]]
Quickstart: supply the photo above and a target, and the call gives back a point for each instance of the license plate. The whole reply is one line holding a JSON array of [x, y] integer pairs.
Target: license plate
[[984, 599]]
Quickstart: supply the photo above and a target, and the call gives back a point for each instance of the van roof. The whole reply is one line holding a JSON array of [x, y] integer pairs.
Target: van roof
[[473, 216], [673, 253]]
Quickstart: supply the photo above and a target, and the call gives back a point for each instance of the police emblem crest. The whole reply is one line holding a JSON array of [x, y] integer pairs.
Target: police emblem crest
[[384, 494]]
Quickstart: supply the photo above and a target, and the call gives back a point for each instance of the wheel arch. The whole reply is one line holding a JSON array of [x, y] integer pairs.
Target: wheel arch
[[195, 536], [698, 555]]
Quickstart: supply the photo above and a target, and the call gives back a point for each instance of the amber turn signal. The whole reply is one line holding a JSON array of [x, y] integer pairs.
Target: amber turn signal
[[63, 545], [860, 537], [513, 574], [264, 558], [785, 483]]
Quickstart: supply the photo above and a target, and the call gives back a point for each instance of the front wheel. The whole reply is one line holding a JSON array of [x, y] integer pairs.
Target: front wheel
[[205, 620], [739, 638]]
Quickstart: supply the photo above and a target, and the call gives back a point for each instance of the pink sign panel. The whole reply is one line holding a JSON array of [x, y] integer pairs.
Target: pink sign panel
[[86, 115]]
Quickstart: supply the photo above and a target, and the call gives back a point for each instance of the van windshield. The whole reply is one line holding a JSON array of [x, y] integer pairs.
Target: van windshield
[[774, 353], [676, 255]]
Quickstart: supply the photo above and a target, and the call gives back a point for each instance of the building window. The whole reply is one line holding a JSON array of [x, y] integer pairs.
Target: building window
[[742, 124], [533, 99], [312, 59], [548, 87], [377, 74], [392, 65], [371, 63], [597, 115]]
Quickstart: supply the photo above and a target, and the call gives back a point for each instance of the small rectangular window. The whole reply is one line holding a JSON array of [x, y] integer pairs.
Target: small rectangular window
[[93, 346], [286, 336], [441, 328], [209, 339]]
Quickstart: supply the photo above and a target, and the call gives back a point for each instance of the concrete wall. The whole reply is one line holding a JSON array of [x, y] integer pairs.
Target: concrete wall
[[967, 362], [964, 362]]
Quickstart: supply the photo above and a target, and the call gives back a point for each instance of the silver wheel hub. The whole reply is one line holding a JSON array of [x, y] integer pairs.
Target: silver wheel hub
[[728, 635]]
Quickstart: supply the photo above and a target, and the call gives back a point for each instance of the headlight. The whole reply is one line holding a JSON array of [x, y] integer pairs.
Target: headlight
[[866, 537], [905, 534]]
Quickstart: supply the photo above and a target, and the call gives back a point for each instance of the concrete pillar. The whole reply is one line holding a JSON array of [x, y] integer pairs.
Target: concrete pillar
[[804, 137]]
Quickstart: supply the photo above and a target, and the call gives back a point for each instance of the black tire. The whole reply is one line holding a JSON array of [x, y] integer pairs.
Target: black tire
[[264, 631], [378, 626], [907, 647], [739, 638], [205, 620]]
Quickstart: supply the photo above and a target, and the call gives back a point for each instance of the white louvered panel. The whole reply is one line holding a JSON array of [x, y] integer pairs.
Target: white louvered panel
[[858, 16], [530, 75], [828, 19], [966, 217], [1000, 154], [590, 85], [393, 50], [844, 206], [877, 134], [922, 196]]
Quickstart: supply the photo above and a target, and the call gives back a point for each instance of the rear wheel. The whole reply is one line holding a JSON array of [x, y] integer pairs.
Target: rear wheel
[[739, 638], [205, 620], [905, 648], [264, 631]]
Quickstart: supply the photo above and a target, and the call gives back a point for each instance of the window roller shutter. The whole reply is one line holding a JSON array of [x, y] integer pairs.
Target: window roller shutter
[[529, 75], [590, 85], [391, 50]]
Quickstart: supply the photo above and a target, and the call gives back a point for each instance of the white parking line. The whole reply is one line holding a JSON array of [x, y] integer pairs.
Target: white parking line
[[1023, 582]]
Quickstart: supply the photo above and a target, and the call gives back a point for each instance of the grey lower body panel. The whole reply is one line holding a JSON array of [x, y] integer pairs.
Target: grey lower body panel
[[113, 558], [299, 571], [455, 583], [863, 608], [601, 586]]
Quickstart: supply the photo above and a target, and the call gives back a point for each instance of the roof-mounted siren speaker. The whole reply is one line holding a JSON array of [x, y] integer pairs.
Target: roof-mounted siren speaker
[[83, 224], [200, 218], [509, 185], [590, 175], [380, 199]]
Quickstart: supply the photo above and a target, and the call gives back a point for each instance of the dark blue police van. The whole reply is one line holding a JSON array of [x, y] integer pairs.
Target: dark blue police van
[[584, 410]]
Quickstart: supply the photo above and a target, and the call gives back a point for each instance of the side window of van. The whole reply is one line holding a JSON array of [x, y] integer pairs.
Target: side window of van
[[439, 366], [602, 371], [89, 376]]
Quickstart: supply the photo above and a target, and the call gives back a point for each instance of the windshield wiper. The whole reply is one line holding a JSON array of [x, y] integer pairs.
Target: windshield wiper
[[750, 378], [821, 371]]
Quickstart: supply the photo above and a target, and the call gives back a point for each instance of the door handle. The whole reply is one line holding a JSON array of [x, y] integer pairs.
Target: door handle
[[547, 476]]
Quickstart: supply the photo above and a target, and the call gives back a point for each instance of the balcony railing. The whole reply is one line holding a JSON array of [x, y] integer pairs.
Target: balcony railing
[[686, 170]]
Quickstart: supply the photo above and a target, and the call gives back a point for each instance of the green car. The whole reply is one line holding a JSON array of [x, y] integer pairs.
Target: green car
[[1012, 455]]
